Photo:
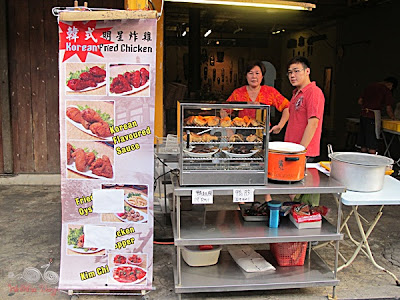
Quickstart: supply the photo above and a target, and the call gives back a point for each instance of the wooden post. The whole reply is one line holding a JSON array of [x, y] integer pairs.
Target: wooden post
[[6, 133], [159, 99], [136, 4]]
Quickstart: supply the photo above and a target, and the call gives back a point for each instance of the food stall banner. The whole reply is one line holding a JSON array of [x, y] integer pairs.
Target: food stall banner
[[107, 98]]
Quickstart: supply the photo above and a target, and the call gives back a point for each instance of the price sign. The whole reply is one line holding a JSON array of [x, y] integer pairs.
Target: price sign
[[202, 197], [243, 195]]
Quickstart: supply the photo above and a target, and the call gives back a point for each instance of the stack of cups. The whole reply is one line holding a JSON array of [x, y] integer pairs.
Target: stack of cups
[[274, 207]]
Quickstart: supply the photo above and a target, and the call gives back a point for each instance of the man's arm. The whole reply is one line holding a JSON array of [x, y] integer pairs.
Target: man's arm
[[389, 111], [308, 134]]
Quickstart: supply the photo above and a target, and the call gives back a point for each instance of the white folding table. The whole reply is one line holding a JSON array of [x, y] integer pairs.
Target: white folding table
[[388, 142], [389, 195]]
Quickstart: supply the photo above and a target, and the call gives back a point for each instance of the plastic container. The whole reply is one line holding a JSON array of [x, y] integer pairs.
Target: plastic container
[[195, 257], [391, 125], [274, 207], [289, 254]]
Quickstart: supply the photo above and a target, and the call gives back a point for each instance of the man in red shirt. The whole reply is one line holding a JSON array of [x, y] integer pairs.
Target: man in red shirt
[[375, 97], [306, 111], [306, 108]]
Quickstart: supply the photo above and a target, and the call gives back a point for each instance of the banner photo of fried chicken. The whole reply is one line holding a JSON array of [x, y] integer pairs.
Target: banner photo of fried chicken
[[129, 80], [89, 120], [85, 79], [90, 160]]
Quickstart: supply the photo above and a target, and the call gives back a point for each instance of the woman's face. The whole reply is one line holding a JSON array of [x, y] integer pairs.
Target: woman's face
[[254, 77]]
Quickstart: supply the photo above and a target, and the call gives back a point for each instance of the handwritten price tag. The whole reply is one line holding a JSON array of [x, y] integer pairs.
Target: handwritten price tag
[[243, 195], [202, 197]]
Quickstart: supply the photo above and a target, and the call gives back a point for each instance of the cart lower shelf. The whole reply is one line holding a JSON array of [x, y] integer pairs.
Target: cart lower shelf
[[228, 227], [226, 275]]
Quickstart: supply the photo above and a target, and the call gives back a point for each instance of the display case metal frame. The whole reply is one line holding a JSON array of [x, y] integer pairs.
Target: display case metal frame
[[216, 228], [225, 175]]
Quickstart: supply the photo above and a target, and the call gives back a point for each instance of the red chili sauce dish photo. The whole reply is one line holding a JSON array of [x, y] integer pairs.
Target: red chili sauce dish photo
[[129, 274]]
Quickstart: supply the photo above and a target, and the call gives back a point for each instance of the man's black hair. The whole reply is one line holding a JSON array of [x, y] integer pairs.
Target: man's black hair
[[299, 59]]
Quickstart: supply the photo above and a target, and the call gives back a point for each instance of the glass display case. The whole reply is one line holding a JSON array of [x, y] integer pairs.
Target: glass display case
[[223, 144]]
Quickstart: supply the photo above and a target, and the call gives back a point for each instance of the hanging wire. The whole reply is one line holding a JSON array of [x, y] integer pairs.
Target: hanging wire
[[161, 11]]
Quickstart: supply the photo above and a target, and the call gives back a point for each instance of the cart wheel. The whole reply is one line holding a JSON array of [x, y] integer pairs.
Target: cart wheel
[[74, 297], [145, 297]]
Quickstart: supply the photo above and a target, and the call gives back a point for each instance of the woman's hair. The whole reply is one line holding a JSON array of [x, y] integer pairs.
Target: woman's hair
[[299, 60], [256, 63], [393, 81]]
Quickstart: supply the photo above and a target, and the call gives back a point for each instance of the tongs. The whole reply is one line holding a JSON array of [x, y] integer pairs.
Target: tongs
[[262, 207]]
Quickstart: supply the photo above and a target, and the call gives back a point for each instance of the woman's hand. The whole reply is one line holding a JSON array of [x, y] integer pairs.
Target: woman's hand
[[275, 129]]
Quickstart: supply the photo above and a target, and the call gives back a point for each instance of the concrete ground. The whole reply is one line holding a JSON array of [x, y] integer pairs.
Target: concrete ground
[[30, 226]]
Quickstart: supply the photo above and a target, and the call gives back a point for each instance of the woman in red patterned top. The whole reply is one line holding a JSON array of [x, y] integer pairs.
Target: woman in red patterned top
[[254, 92]]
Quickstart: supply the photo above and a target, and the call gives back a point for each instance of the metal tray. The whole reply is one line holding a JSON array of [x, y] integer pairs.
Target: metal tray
[[243, 208]]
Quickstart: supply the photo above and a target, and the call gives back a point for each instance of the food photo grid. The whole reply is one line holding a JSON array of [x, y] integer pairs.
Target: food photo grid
[[75, 241], [136, 204], [82, 79], [89, 120], [129, 80], [127, 268], [90, 160]]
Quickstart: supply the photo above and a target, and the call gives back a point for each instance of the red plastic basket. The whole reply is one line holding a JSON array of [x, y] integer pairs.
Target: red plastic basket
[[289, 254]]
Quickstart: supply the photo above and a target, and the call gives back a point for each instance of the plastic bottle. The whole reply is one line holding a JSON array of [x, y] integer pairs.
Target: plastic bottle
[[274, 207]]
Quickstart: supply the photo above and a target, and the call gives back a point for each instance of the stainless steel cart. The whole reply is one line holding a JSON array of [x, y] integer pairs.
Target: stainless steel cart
[[227, 227]]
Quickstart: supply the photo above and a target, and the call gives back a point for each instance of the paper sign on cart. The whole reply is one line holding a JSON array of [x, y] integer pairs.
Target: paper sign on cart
[[102, 237], [202, 196], [243, 195], [108, 201]]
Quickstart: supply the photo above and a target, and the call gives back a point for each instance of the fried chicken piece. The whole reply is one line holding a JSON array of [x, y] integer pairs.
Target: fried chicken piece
[[189, 120], [76, 115], [136, 79], [120, 85], [206, 137], [226, 122], [78, 84], [212, 120], [254, 122], [194, 137], [101, 129], [86, 76], [129, 77], [70, 150], [238, 122], [97, 71], [246, 120], [99, 79], [236, 138], [144, 76], [80, 160], [200, 121], [102, 167], [90, 157], [91, 115], [253, 138]]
